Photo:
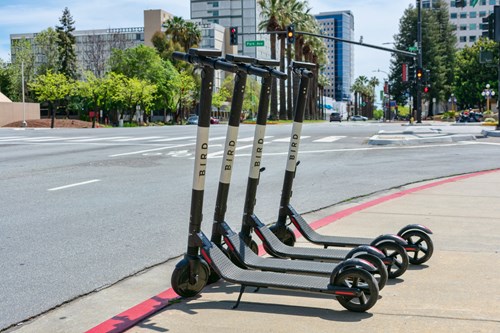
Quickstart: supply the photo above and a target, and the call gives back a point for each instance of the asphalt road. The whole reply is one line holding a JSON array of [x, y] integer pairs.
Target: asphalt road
[[82, 209]]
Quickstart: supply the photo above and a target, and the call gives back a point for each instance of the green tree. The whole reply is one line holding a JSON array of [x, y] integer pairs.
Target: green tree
[[51, 88], [142, 62], [48, 52], [220, 97], [23, 61], [66, 44], [5, 78], [184, 94], [471, 76], [186, 34], [131, 93]]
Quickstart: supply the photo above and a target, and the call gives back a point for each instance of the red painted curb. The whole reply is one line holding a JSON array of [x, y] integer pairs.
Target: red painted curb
[[132, 316]]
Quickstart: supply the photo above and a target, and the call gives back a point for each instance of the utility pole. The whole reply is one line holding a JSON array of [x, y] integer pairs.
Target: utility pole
[[419, 60]]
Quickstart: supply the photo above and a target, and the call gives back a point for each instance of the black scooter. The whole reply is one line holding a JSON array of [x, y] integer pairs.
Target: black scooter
[[239, 253], [354, 288], [397, 260]]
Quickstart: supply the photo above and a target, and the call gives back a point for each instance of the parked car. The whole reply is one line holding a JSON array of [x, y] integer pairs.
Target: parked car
[[358, 118], [192, 120], [214, 120], [335, 116]]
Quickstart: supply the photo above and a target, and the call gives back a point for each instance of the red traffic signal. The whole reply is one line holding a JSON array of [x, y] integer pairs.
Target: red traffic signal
[[426, 89], [233, 36]]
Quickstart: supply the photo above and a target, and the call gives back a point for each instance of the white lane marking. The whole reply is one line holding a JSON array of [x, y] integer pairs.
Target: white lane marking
[[11, 138], [329, 139], [360, 149], [250, 139], [288, 139], [100, 139], [58, 139], [216, 138], [73, 185], [174, 139], [138, 139], [149, 150], [41, 138], [479, 143], [218, 153]]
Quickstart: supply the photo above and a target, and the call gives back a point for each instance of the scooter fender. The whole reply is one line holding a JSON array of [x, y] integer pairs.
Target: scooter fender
[[366, 249], [414, 227], [391, 238], [349, 263]]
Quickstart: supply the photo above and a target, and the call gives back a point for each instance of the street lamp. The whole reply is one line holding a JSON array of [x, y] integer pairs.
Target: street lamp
[[453, 101], [488, 93], [388, 109], [23, 124]]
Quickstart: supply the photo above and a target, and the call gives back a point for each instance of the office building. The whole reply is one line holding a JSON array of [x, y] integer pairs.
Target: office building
[[468, 20], [243, 14], [340, 67]]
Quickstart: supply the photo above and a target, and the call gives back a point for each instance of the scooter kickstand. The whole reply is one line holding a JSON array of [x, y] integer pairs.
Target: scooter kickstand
[[242, 290]]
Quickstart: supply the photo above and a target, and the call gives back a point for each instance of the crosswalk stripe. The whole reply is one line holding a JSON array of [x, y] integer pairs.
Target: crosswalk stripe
[[138, 139], [100, 139], [250, 138], [174, 139], [288, 139], [329, 139]]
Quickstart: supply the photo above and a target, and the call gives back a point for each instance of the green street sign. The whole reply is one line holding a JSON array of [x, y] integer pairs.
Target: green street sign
[[413, 49], [254, 43]]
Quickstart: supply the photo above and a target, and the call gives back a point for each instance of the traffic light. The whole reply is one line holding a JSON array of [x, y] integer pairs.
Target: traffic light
[[290, 34], [420, 74], [411, 73], [233, 36], [488, 26], [427, 88]]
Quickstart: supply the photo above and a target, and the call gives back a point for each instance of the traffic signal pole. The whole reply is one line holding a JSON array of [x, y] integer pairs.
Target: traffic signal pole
[[419, 61]]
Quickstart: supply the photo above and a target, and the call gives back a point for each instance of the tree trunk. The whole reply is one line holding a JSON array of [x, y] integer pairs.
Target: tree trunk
[[52, 114], [283, 113], [274, 88]]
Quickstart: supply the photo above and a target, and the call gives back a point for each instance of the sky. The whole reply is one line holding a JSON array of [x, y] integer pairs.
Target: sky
[[376, 20]]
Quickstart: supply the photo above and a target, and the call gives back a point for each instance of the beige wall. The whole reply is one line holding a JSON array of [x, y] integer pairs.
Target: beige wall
[[11, 112], [153, 19]]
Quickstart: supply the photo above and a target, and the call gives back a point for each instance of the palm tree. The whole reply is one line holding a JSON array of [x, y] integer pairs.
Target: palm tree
[[270, 12], [184, 33], [372, 83]]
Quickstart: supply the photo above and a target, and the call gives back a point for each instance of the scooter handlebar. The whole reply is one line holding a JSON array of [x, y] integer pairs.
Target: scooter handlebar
[[280, 75], [252, 70], [217, 63]]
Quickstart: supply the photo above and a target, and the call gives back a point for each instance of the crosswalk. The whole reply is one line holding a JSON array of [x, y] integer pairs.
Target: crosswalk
[[155, 140]]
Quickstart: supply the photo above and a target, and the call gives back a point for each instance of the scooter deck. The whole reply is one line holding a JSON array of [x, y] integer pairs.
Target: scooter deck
[[311, 235], [234, 274], [277, 248], [251, 260]]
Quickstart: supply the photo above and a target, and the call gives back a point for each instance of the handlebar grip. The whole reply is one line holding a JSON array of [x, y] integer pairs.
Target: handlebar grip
[[180, 56], [307, 73], [225, 66], [252, 70], [280, 75]]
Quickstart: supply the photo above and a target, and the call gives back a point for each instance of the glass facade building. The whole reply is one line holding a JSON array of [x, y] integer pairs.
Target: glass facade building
[[340, 67]]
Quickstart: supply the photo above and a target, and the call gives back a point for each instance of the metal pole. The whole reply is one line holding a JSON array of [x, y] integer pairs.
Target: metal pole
[[498, 98], [419, 60], [23, 124]]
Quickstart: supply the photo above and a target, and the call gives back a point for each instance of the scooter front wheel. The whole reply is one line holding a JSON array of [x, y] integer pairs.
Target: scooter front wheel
[[423, 244], [187, 283], [286, 236], [358, 279]]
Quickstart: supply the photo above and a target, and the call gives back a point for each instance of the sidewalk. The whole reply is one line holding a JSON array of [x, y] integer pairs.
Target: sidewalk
[[456, 291]]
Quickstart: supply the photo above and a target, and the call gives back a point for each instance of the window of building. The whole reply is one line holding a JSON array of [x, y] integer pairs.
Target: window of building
[[473, 26], [472, 39], [463, 27], [453, 16], [483, 3], [493, 2], [482, 13], [463, 15], [462, 39], [473, 14]]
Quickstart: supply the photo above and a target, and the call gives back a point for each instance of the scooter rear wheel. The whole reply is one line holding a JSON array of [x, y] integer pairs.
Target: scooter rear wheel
[[181, 282], [360, 279], [286, 236], [399, 255], [423, 242], [381, 275]]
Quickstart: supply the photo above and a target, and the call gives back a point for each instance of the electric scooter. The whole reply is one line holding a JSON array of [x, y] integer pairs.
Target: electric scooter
[[239, 253], [354, 288], [397, 260]]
